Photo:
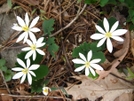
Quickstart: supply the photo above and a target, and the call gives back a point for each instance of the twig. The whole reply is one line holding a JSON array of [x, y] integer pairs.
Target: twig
[[5, 82], [34, 96], [78, 14], [122, 78]]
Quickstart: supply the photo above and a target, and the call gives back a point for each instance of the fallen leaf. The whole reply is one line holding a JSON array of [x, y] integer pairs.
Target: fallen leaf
[[109, 88], [3, 96]]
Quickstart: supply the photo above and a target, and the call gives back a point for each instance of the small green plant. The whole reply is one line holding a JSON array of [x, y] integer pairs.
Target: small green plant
[[6, 72]]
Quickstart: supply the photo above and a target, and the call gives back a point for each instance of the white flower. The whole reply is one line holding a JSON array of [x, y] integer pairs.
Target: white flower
[[25, 71], [34, 47], [24, 26], [45, 90], [88, 64], [113, 33]]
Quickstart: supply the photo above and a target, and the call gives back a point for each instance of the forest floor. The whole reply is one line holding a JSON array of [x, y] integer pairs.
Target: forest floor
[[74, 24]]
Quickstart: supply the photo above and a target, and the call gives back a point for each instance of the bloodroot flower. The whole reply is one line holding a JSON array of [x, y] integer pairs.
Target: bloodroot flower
[[24, 26], [34, 46], [25, 70], [87, 64], [45, 90], [107, 34]]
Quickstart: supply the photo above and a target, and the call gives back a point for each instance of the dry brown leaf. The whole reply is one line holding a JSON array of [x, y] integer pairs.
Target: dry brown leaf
[[109, 88], [125, 97], [120, 54], [4, 97]]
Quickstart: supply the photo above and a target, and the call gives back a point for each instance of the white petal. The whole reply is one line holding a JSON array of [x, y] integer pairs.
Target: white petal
[[109, 45], [95, 61], [28, 63], [34, 22], [21, 62], [35, 29], [79, 68], [100, 29], [78, 61], [119, 32], [29, 42], [40, 45], [34, 67], [29, 78], [96, 66], [28, 54], [45, 89], [26, 49], [17, 28], [23, 78], [118, 38], [21, 21], [89, 55], [82, 57], [97, 36], [114, 27], [27, 19], [17, 69], [26, 37], [32, 37], [17, 75], [32, 73], [34, 55], [40, 52], [40, 40], [101, 42], [86, 71], [92, 71], [106, 25], [21, 37]]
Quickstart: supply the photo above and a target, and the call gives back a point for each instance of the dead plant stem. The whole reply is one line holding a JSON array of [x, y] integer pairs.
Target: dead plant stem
[[5, 82], [68, 25]]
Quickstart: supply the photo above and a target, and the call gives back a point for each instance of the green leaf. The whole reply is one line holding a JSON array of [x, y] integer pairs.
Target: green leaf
[[4, 68], [92, 76], [103, 2], [48, 26], [41, 72], [8, 75], [90, 1], [2, 62], [22, 57], [52, 46], [37, 86], [9, 2], [121, 0], [99, 55], [86, 47]]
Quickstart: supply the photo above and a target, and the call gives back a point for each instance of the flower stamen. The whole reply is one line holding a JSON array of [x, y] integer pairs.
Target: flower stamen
[[25, 71], [87, 64], [108, 35], [25, 28], [33, 47]]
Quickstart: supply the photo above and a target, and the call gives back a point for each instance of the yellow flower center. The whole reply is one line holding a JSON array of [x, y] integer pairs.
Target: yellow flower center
[[25, 71], [33, 47], [108, 35], [45, 90], [87, 64], [25, 28]]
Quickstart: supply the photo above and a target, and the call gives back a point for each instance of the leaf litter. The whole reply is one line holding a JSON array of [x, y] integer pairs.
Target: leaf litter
[[74, 22]]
